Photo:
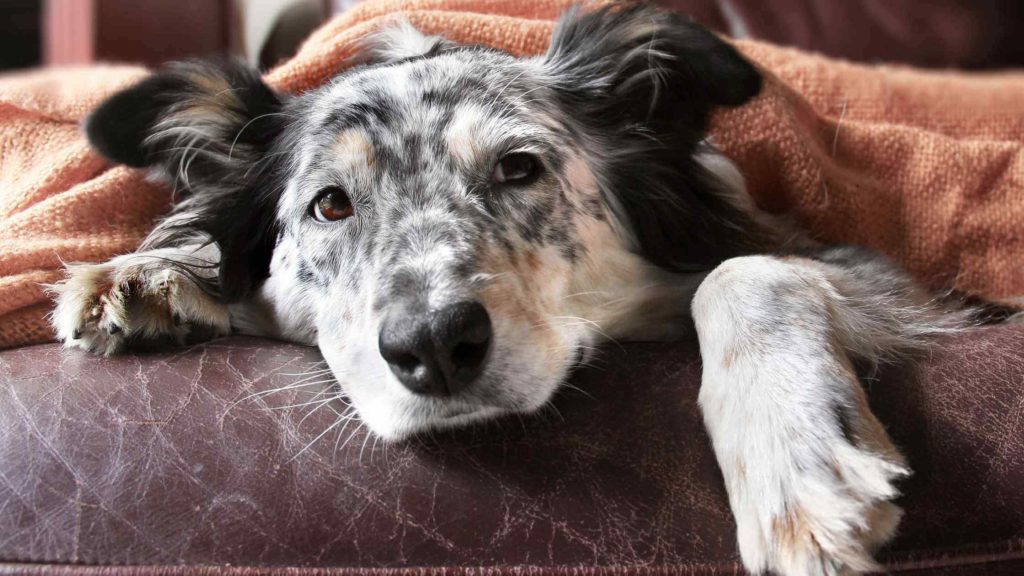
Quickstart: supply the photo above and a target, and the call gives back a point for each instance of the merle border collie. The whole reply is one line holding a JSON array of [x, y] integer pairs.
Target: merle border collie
[[455, 228]]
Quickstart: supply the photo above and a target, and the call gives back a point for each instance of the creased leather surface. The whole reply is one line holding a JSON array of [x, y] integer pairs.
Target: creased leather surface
[[995, 568], [161, 459]]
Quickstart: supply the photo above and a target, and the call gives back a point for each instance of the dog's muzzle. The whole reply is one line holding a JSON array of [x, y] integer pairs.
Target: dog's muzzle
[[437, 352]]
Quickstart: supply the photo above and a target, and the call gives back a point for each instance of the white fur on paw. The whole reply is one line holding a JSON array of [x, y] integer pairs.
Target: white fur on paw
[[824, 517], [102, 307]]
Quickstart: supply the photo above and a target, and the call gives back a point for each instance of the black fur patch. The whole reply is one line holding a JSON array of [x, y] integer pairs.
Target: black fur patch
[[118, 127], [220, 167]]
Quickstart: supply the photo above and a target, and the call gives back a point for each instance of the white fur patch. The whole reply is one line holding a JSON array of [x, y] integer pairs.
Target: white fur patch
[[100, 307], [808, 469], [400, 40]]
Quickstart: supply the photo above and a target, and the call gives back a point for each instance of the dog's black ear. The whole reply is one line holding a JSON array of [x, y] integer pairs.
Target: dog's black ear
[[196, 110], [641, 62], [206, 128], [119, 127], [642, 83]]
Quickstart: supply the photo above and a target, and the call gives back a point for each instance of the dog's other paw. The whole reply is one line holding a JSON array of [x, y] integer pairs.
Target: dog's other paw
[[822, 509], [131, 299]]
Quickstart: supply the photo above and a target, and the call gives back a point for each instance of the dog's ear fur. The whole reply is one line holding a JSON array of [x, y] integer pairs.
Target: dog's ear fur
[[643, 62], [207, 129], [645, 81], [398, 41]]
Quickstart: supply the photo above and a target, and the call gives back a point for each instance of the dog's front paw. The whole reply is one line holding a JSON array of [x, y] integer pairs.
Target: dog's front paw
[[104, 307], [823, 508]]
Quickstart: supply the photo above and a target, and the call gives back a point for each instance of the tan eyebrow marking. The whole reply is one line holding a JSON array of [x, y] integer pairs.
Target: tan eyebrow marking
[[352, 147], [463, 134]]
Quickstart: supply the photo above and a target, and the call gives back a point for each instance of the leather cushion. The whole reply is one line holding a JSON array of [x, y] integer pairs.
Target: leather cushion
[[170, 459]]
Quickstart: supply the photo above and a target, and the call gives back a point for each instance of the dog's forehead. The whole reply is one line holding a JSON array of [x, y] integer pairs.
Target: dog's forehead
[[382, 128], [406, 92], [397, 117]]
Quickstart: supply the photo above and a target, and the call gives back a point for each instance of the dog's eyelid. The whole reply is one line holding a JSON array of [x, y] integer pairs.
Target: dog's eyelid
[[332, 204], [520, 146], [535, 149], [318, 179], [522, 169]]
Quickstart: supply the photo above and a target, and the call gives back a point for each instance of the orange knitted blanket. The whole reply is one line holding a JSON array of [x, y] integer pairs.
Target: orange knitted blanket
[[927, 167]]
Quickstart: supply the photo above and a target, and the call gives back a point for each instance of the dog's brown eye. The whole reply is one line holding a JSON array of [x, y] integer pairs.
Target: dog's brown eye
[[332, 204], [516, 168]]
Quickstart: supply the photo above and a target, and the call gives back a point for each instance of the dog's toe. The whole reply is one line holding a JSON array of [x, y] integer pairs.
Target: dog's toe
[[822, 520]]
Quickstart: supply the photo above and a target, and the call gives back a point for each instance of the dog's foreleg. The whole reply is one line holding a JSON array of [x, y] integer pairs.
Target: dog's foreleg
[[808, 468], [153, 295]]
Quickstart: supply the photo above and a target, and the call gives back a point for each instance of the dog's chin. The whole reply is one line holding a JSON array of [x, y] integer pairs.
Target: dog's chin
[[458, 418], [421, 416], [397, 430], [402, 417]]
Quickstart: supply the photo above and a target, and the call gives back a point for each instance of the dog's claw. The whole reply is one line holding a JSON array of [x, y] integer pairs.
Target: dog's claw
[[114, 328], [178, 320], [76, 334]]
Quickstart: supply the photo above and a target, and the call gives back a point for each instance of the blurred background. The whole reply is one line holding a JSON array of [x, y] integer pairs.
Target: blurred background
[[965, 34], [61, 32]]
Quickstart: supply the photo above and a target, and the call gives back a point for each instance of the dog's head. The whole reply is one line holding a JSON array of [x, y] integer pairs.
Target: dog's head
[[455, 226]]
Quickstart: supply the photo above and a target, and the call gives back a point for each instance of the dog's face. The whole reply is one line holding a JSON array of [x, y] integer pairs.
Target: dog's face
[[459, 225], [444, 223]]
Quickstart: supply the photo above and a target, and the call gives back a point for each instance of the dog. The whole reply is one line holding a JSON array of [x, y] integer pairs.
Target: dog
[[457, 228]]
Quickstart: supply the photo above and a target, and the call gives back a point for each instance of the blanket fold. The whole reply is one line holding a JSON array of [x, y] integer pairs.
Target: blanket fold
[[924, 166]]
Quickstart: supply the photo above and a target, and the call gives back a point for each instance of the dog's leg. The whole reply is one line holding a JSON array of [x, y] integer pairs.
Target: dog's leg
[[808, 468], [148, 296]]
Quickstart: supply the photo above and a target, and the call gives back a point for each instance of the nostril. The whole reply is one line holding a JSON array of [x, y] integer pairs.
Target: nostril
[[470, 354], [463, 333], [407, 363], [406, 346]]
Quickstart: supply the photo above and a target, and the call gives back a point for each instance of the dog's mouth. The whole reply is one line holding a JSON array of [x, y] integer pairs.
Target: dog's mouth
[[447, 419], [458, 413], [460, 416]]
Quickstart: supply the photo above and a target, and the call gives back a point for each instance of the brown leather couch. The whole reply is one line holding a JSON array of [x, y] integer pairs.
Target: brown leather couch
[[186, 462], [182, 459]]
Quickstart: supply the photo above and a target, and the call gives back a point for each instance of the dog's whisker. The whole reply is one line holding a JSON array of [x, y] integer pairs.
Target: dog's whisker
[[301, 384], [325, 378], [576, 321], [315, 409], [595, 326], [584, 293], [373, 447], [355, 431], [314, 440], [313, 372], [366, 438], [349, 415], [303, 404], [264, 393]]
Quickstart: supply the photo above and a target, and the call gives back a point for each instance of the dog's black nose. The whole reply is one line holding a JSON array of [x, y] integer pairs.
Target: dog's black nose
[[437, 352]]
